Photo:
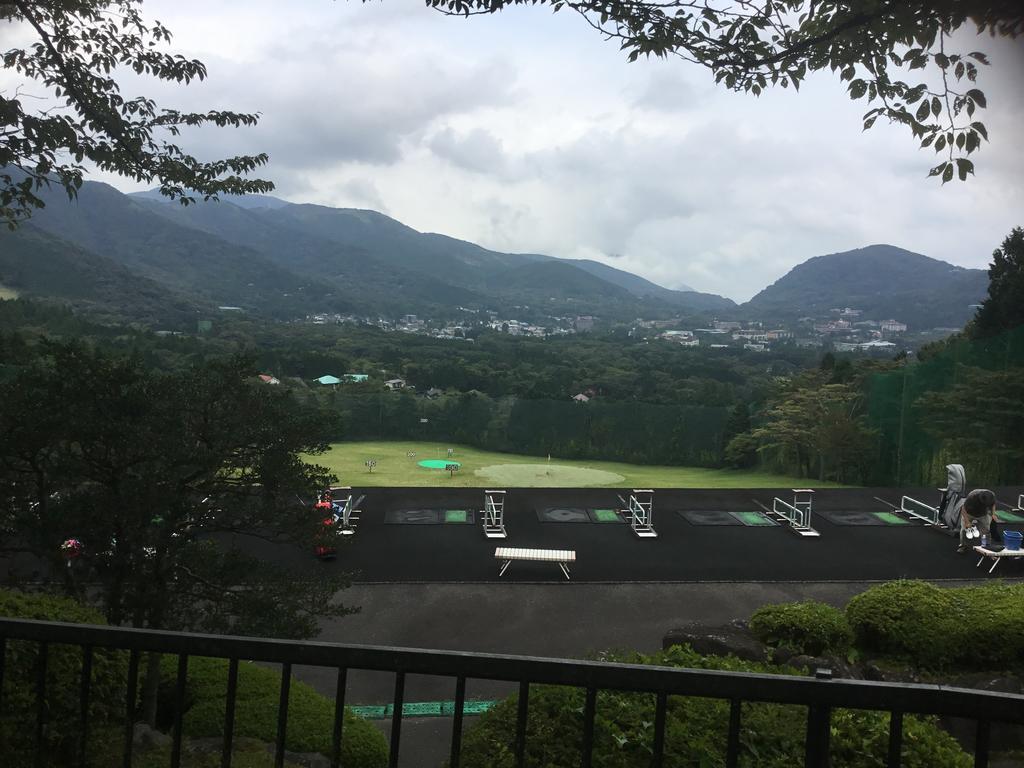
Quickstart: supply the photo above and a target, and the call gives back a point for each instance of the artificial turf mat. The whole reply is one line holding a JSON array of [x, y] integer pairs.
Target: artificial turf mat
[[700, 517], [605, 516], [754, 519], [890, 518]]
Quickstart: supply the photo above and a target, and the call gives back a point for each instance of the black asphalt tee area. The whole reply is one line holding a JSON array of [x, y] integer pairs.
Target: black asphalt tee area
[[385, 550]]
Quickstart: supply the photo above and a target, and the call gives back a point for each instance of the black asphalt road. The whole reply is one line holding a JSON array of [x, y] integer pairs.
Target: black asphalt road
[[683, 552]]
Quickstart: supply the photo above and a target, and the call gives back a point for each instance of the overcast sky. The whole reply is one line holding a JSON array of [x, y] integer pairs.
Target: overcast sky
[[526, 131]]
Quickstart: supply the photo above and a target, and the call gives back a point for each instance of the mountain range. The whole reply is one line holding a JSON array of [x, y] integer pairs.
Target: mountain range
[[162, 262]]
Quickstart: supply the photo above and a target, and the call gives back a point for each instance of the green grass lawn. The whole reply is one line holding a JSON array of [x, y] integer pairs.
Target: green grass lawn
[[486, 468]]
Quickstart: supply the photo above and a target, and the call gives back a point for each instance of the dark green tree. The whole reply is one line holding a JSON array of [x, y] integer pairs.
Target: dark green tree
[[873, 45], [1003, 310], [76, 46], [167, 480]]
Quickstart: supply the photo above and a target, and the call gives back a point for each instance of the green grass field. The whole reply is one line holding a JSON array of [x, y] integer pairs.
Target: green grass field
[[395, 467]]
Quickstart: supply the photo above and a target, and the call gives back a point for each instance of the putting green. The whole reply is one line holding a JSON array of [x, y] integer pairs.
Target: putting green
[[438, 463], [546, 475]]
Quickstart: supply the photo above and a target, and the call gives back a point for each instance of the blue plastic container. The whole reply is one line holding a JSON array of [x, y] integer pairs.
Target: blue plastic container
[[1011, 540]]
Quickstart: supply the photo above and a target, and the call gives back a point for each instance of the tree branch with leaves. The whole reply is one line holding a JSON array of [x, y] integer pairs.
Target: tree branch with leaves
[[79, 47], [875, 46]]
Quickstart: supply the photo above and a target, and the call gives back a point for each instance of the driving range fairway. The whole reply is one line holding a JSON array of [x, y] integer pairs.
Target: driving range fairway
[[397, 465]]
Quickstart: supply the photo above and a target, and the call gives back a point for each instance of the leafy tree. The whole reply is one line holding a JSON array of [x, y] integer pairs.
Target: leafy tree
[[77, 44], [1004, 307], [159, 476], [872, 45], [814, 428]]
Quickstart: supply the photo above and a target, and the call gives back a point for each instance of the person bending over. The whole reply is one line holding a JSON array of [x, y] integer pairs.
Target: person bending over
[[979, 512]]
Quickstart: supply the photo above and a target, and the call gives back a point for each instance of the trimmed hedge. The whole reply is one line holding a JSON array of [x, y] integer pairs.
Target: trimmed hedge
[[938, 627], [810, 627], [772, 735], [63, 673], [310, 715]]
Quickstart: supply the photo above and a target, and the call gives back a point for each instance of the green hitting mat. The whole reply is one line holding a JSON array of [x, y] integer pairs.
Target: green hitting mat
[[753, 518]]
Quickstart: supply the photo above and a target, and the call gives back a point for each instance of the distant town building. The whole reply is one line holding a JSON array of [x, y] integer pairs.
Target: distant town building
[[395, 384], [584, 323], [355, 378], [891, 326], [328, 380], [726, 325], [266, 378], [581, 398]]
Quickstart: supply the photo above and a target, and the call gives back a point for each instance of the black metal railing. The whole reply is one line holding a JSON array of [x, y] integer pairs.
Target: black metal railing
[[821, 694]]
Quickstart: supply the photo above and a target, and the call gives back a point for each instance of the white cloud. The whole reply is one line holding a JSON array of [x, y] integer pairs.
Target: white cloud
[[527, 132]]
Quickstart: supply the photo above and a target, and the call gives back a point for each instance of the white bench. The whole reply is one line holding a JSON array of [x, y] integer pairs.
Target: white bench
[[505, 555], [996, 556]]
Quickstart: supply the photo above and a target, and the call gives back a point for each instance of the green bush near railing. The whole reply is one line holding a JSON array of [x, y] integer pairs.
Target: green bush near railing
[[974, 627], [809, 627], [63, 675], [771, 735], [310, 715]]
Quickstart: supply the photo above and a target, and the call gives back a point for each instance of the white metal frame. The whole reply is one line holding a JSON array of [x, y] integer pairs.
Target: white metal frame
[[640, 509], [932, 518], [348, 516], [494, 515], [798, 514], [1020, 502]]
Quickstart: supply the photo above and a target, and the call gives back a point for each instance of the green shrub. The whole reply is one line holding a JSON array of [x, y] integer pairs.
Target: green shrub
[[809, 627], [772, 735], [938, 627], [310, 715], [63, 675]]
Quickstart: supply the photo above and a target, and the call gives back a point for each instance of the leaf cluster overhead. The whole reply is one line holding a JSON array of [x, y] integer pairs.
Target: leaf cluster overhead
[[76, 51], [877, 47]]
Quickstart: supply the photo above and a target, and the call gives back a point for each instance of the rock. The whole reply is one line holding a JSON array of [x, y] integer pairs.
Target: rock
[[145, 738], [730, 639], [840, 667], [783, 656]]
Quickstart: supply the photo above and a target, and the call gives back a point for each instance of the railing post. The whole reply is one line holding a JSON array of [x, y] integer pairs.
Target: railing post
[[282, 714], [396, 719], [732, 745], [895, 740], [658, 748], [460, 702], [589, 712], [42, 715], [131, 697], [339, 716], [229, 713], [86, 689], [179, 706], [981, 744], [819, 717], [522, 712]]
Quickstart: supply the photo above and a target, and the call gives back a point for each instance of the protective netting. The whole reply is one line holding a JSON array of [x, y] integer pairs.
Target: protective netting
[[963, 405]]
